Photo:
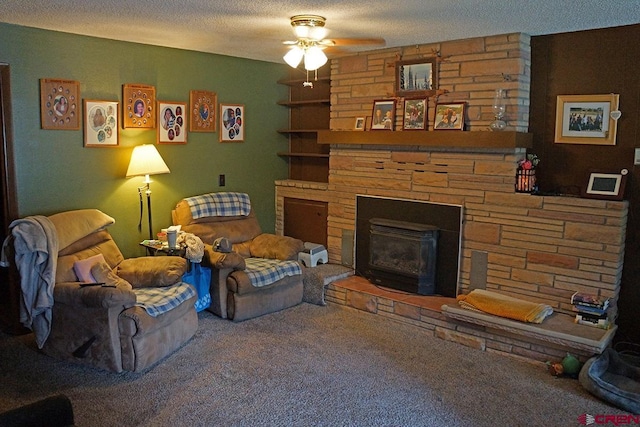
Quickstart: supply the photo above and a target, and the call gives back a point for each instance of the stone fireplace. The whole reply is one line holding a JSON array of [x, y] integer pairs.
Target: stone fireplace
[[537, 248], [541, 249]]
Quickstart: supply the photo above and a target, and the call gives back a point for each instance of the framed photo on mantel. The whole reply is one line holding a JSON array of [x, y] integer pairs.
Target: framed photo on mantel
[[449, 116], [383, 114]]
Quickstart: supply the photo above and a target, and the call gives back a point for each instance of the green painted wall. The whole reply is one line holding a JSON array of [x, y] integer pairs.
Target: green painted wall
[[56, 173]]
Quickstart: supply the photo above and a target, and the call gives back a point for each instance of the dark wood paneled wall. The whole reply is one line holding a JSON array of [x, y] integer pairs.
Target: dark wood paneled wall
[[592, 62]]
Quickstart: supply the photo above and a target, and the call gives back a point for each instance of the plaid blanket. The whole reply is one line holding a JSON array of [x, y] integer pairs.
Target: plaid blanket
[[219, 204], [263, 272], [160, 300]]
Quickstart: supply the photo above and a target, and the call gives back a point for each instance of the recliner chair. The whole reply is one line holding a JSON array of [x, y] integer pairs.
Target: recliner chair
[[115, 325], [260, 275]]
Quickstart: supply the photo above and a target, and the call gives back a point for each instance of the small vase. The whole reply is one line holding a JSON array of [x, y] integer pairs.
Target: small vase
[[526, 180], [499, 109]]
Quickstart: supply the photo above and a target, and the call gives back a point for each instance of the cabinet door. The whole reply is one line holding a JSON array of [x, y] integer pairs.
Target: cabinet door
[[306, 220]]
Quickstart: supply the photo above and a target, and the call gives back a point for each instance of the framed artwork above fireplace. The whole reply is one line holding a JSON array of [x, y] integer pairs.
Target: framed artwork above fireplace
[[417, 77]]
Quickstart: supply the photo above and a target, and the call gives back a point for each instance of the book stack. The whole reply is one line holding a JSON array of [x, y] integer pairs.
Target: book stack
[[591, 310]]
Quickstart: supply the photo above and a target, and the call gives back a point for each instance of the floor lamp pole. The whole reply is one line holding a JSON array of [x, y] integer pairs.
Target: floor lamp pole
[[148, 191], [149, 213]]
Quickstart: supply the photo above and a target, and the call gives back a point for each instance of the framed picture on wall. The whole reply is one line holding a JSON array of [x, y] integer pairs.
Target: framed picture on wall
[[139, 106], [449, 116], [415, 114], [587, 119], [418, 77], [172, 121], [59, 104], [359, 124], [202, 111], [101, 123], [383, 114], [232, 121]]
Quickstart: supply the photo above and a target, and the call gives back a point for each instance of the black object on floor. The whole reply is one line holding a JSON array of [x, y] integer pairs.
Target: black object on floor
[[55, 411]]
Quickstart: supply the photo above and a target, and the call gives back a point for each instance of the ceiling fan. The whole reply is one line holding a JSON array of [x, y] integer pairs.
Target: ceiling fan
[[311, 42]]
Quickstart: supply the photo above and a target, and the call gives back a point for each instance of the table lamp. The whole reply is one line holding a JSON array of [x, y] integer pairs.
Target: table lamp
[[146, 160]]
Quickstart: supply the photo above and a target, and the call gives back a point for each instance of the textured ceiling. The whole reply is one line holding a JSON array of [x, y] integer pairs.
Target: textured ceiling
[[255, 29]]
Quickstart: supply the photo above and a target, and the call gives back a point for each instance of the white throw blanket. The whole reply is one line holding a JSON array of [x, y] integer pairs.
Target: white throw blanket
[[36, 253]]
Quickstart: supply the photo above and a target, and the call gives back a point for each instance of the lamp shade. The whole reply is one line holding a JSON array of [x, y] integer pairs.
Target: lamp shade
[[145, 160], [314, 58], [294, 56]]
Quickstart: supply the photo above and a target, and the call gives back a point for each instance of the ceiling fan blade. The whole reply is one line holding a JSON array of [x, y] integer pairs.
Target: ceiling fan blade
[[289, 42], [357, 41]]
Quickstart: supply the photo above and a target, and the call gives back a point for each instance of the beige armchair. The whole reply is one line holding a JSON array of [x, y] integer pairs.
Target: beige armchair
[[237, 293], [109, 325]]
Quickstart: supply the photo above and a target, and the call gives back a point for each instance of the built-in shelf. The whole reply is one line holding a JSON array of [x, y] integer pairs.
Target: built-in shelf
[[287, 154], [303, 103], [443, 138], [309, 110]]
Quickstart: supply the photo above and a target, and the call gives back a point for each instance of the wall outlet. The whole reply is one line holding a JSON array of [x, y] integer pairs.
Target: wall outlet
[[636, 157], [221, 180]]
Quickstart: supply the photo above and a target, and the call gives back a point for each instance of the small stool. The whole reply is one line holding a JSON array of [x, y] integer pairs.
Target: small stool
[[312, 254]]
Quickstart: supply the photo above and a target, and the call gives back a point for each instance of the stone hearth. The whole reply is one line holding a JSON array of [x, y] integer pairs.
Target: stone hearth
[[551, 340]]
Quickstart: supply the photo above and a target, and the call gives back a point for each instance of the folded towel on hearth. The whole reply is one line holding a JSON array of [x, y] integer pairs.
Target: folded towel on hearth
[[504, 306]]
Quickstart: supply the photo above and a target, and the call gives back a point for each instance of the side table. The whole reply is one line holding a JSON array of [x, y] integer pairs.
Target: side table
[[196, 275], [158, 247]]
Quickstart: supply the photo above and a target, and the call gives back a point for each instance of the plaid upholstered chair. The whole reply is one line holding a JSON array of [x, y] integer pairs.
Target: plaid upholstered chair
[[87, 304], [260, 274]]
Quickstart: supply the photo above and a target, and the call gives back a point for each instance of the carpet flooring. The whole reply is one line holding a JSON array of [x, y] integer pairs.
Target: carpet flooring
[[309, 365]]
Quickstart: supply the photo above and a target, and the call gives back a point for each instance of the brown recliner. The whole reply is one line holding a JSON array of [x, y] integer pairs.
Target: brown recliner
[[103, 326], [233, 295]]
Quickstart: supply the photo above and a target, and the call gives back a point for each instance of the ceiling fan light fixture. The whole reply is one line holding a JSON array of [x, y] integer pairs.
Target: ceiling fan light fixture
[[294, 56], [309, 26], [317, 33], [301, 32], [314, 58]]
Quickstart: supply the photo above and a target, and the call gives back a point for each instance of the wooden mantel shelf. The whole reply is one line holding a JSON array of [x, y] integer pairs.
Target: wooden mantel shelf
[[444, 138]]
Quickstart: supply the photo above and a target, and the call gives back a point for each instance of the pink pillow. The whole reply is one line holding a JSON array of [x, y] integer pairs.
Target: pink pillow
[[82, 268]]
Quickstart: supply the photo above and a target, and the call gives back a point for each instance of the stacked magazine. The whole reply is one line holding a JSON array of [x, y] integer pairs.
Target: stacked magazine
[[591, 310]]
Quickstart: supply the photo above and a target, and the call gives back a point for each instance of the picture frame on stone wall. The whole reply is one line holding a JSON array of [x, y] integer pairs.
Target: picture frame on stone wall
[[359, 124], [414, 116], [587, 119], [417, 77], [449, 116], [383, 114]]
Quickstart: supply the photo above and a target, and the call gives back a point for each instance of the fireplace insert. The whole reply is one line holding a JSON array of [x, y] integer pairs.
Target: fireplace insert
[[402, 255]]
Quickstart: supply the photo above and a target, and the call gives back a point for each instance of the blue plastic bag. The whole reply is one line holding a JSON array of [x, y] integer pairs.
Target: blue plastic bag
[[200, 278]]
